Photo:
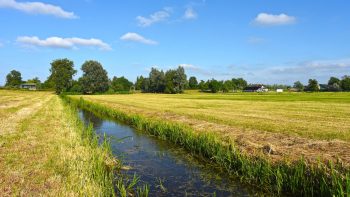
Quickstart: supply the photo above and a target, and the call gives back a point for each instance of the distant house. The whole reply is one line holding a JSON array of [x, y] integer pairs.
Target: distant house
[[279, 90], [255, 88], [29, 86]]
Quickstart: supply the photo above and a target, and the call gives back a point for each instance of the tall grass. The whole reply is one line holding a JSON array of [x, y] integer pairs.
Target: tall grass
[[102, 164], [297, 178]]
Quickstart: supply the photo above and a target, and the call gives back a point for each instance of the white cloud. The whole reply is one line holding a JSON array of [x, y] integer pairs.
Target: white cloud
[[197, 69], [156, 17], [270, 19], [37, 8], [57, 42], [190, 14], [137, 38]]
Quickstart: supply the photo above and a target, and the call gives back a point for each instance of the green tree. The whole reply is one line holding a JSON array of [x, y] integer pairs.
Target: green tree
[[214, 86], [239, 83], [227, 86], [313, 85], [37, 82], [62, 72], [156, 81], [138, 83], [145, 86], [76, 86], [175, 80], [298, 85], [203, 86], [13, 79], [345, 83], [121, 84], [94, 77], [333, 80], [193, 83]]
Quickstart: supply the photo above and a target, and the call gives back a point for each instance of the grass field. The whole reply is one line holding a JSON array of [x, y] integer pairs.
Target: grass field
[[313, 125], [42, 151]]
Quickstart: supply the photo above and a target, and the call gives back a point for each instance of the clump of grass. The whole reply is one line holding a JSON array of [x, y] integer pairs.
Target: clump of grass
[[297, 178]]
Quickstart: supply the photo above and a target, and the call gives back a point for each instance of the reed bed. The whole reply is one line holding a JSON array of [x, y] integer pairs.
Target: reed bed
[[297, 178]]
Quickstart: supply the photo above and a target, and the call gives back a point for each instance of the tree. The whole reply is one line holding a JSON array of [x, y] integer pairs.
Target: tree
[[175, 80], [13, 79], [62, 72], [227, 86], [94, 77], [121, 84], [313, 85], [138, 83], [156, 81], [193, 83], [145, 86], [76, 86], [333, 80], [203, 86], [35, 80], [239, 83], [214, 86], [298, 85], [345, 83]]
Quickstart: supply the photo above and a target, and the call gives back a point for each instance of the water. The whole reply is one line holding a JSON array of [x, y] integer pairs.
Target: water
[[159, 162]]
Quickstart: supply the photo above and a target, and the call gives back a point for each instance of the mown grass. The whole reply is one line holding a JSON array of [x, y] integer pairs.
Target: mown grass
[[45, 150], [297, 178], [319, 116]]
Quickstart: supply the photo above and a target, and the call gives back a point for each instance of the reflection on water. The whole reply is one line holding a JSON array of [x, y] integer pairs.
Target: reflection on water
[[156, 161]]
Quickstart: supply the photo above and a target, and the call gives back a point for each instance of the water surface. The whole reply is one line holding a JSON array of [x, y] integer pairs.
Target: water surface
[[159, 162]]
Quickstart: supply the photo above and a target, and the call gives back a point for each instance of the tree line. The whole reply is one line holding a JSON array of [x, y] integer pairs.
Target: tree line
[[95, 80]]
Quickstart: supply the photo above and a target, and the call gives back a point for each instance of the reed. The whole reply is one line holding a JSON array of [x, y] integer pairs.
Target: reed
[[297, 178]]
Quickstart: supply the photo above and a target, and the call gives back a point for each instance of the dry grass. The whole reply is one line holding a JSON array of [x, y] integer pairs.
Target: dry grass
[[41, 150], [314, 125]]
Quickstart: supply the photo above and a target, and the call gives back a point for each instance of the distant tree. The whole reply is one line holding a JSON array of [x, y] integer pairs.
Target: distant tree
[[193, 83], [13, 79], [298, 85], [76, 87], [145, 86], [214, 86], [239, 83], [203, 86], [156, 81], [62, 72], [121, 84], [227, 86], [138, 83], [175, 80], [48, 84], [35, 80], [333, 80], [313, 85], [345, 83], [94, 77]]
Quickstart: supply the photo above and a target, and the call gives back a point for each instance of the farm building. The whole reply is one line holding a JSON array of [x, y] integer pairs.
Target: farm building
[[279, 90], [29, 86], [255, 88]]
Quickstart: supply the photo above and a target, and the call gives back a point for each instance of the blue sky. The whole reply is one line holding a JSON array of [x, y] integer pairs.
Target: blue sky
[[261, 41]]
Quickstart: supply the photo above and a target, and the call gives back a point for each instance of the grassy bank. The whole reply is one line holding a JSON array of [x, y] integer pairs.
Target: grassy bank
[[298, 177], [46, 151]]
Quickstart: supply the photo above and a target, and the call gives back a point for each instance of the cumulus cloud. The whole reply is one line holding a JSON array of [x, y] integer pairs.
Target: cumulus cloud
[[67, 43], [271, 19], [37, 8], [134, 37], [190, 14], [156, 17]]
